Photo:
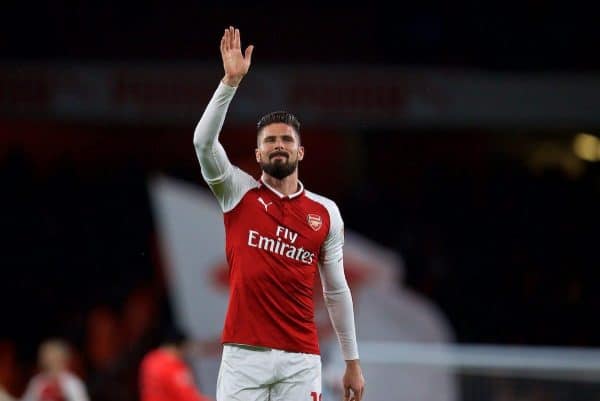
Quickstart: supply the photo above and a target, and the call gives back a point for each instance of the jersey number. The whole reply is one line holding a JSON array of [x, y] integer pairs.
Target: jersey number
[[316, 396]]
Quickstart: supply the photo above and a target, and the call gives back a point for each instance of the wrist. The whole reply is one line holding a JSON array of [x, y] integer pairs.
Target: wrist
[[353, 363], [232, 81]]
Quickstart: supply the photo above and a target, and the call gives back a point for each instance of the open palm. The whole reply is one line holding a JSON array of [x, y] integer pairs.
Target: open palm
[[235, 63]]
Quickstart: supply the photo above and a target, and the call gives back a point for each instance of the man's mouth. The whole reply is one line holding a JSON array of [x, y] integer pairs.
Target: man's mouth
[[278, 154]]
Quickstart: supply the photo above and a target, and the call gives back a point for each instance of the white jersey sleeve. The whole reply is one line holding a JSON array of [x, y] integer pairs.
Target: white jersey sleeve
[[336, 292], [227, 182], [74, 388], [32, 389]]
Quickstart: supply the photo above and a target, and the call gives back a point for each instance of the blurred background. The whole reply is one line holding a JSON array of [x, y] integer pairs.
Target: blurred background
[[462, 137]]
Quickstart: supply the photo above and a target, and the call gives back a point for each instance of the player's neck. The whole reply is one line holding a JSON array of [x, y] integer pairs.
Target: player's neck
[[286, 186], [55, 371]]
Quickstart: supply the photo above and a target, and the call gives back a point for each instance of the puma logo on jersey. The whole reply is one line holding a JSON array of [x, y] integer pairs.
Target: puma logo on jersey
[[266, 205]]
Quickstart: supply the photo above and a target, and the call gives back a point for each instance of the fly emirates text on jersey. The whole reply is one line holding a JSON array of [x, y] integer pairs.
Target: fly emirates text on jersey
[[280, 244]]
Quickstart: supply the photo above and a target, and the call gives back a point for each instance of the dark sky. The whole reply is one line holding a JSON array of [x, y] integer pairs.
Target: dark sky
[[528, 35]]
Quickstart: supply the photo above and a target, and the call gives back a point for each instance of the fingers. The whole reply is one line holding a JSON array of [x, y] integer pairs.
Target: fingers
[[231, 39], [236, 39], [228, 39], [231, 32], [351, 394], [248, 52], [225, 41]]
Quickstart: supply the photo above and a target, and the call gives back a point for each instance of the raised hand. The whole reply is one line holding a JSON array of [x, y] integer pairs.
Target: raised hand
[[235, 64]]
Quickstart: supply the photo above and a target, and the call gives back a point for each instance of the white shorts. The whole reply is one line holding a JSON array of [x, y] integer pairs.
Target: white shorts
[[264, 374]]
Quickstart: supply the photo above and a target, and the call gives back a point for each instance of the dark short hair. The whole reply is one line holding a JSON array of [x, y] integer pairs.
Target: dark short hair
[[279, 116]]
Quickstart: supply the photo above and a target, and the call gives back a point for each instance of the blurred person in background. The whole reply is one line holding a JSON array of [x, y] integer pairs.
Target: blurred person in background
[[55, 382], [278, 236], [164, 374], [4, 396]]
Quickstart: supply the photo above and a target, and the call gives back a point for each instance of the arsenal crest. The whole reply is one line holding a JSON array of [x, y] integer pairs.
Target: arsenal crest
[[314, 221]]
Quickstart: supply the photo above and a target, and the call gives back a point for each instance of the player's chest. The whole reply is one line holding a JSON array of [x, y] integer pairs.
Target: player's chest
[[294, 221]]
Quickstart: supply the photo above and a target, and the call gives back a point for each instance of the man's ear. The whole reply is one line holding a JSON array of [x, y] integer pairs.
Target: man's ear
[[300, 152], [257, 154]]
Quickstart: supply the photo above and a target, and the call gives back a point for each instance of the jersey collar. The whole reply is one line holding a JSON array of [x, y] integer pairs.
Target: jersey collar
[[281, 196]]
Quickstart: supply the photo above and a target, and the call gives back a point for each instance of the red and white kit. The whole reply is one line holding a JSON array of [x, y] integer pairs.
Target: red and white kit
[[275, 246], [166, 377]]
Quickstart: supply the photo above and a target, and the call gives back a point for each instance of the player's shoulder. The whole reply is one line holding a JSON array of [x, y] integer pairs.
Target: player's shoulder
[[232, 189], [154, 358], [36, 379], [319, 198], [326, 202], [70, 378], [245, 176]]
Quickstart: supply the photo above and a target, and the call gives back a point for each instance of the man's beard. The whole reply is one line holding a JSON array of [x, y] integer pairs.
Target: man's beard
[[279, 169]]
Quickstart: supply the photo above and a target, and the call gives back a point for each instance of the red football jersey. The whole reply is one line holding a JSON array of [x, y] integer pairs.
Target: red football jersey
[[63, 386], [165, 377], [273, 246], [50, 390]]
